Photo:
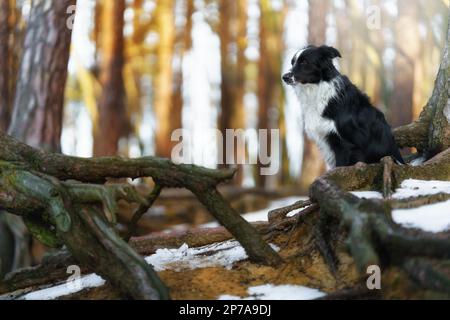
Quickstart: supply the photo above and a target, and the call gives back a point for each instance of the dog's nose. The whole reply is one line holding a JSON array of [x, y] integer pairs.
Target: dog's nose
[[288, 78]]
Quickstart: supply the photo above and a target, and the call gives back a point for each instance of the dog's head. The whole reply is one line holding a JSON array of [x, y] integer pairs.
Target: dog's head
[[312, 65]]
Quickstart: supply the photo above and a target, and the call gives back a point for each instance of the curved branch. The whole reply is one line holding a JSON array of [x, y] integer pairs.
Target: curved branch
[[200, 181]]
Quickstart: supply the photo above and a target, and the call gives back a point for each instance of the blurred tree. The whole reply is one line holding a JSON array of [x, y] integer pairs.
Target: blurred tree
[[183, 44], [39, 98], [112, 120], [407, 52], [313, 164], [269, 66], [6, 236], [39, 95], [163, 80], [375, 73], [5, 29], [137, 67], [233, 43]]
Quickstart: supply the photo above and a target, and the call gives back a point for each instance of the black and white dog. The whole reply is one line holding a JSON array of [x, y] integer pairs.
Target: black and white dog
[[338, 117]]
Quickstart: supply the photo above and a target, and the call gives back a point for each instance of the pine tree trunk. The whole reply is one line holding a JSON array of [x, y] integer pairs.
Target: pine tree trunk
[[4, 64], [112, 121], [38, 106], [164, 76], [313, 164], [407, 51], [39, 98], [233, 33], [184, 37], [269, 85]]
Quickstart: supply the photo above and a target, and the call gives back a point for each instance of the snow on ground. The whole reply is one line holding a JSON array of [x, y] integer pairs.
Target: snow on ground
[[223, 254], [410, 188], [262, 215], [86, 282], [432, 218], [414, 188], [368, 194], [282, 292]]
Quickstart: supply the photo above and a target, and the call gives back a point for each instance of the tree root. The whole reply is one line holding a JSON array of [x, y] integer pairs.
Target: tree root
[[372, 237], [200, 181], [141, 211], [278, 215], [433, 275], [33, 184], [388, 165], [416, 202]]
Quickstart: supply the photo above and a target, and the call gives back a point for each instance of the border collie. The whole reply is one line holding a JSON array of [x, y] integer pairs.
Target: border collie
[[338, 117]]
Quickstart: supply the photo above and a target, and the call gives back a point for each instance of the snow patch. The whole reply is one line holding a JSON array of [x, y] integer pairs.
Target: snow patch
[[281, 292], [410, 188], [223, 254], [432, 218], [86, 282], [414, 188], [368, 194]]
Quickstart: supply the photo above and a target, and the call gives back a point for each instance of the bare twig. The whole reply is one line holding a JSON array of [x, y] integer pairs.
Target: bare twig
[[143, 208]]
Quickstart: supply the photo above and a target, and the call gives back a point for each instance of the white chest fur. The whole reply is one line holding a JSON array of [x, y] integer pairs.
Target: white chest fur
[[313, 100]]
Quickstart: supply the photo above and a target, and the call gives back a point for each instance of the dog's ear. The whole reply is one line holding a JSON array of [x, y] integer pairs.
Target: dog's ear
[[330, 52]]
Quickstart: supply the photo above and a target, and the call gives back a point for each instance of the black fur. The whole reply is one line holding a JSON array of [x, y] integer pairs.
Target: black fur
[[363, 134]]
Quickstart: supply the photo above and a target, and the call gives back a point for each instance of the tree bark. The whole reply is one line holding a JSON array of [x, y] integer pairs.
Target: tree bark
[[164, 77], [5, 30], [39, 99], [112, 123], [269, 68], [407, 51], [233, 32], [184, 40]]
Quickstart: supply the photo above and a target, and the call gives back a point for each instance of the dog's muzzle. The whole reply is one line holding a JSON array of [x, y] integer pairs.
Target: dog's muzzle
[[289, 79]]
